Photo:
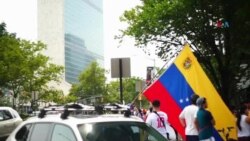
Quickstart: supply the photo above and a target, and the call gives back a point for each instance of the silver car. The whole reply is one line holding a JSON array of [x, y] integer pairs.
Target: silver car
[[97, 128], [9, 120]]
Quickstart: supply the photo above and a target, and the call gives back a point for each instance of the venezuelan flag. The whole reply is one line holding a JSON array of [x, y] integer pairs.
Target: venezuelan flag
[[175, 86]]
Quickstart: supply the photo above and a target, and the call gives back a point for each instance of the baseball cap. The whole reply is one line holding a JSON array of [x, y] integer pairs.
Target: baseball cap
[[200, 101]]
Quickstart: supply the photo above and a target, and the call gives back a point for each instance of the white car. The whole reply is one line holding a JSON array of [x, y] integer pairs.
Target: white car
[[9, 120], [96, 128]]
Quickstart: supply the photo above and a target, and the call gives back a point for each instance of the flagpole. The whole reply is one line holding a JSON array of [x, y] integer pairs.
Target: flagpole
[[158, 72]]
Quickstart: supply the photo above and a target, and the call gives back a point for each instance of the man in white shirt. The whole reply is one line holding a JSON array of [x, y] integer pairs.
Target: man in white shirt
[[158, 119], [187, 118]]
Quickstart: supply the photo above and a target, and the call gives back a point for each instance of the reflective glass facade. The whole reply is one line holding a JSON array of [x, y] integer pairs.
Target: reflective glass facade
[[83, 34]]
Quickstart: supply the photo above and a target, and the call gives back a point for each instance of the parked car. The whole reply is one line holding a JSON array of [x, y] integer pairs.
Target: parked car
[[61, 127], [9, 120]]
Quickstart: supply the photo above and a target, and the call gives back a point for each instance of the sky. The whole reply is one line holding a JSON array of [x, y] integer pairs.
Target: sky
[[20, 17]]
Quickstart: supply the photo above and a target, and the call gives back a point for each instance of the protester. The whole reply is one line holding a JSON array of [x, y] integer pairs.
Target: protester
[[187, 117], [243, 124], [247, 103], [158, 119], [144, 112], [233, 109], [204, 121], [140, 114], [149, 111]]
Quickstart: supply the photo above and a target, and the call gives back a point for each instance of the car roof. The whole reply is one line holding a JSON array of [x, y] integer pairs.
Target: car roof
[[83, 120], [6, 108], [13, 111]]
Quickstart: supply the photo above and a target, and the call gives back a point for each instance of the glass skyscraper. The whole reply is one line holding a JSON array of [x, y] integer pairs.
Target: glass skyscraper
[[73, 32]]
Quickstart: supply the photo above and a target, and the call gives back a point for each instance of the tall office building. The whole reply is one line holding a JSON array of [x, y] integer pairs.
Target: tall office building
[[73, 32]]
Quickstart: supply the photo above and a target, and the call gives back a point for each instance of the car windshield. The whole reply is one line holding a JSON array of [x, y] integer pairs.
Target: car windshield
[[119, 131]]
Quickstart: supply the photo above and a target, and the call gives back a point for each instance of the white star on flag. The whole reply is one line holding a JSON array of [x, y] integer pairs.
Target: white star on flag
[[181, 100]]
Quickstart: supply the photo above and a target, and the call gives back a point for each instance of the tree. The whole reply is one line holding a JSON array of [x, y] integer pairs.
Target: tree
[[39, 72], [217, 30], [91, 82], [55, 96], [24, 69], [113, 92], [5, 102], [129, 91], [10, 61]]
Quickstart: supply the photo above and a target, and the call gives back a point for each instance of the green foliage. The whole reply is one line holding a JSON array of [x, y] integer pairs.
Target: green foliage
[[169, 24], [38, 71], [70, 98], [129, 91], [10, 59], [55, 96], [24, 69], [5, 101], [91, 82], [58, 97], [113, 95]]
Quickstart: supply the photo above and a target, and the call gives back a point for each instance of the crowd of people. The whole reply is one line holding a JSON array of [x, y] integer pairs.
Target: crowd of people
[[196, 119]]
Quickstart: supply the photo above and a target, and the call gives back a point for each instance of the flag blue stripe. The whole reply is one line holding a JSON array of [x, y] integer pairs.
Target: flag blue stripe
[[177, 86], [179, 89], [217, 135]]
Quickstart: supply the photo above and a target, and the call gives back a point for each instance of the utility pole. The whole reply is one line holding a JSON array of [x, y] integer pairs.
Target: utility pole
[[120, 67], [120, 76]]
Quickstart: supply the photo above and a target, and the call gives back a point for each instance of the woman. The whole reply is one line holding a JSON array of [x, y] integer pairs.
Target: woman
[[243, 124]]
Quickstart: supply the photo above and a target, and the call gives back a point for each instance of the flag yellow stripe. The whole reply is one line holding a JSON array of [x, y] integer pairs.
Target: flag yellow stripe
[[201, 85]]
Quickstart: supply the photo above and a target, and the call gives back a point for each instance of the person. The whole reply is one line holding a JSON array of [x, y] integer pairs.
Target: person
[[158, 119], [243, 124], [187, 117], [150, 110], [140, 114], [233, 109], [204, 121], [144, 112]]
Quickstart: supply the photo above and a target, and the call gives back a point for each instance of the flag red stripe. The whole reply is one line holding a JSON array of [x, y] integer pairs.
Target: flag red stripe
[[168, 104]]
